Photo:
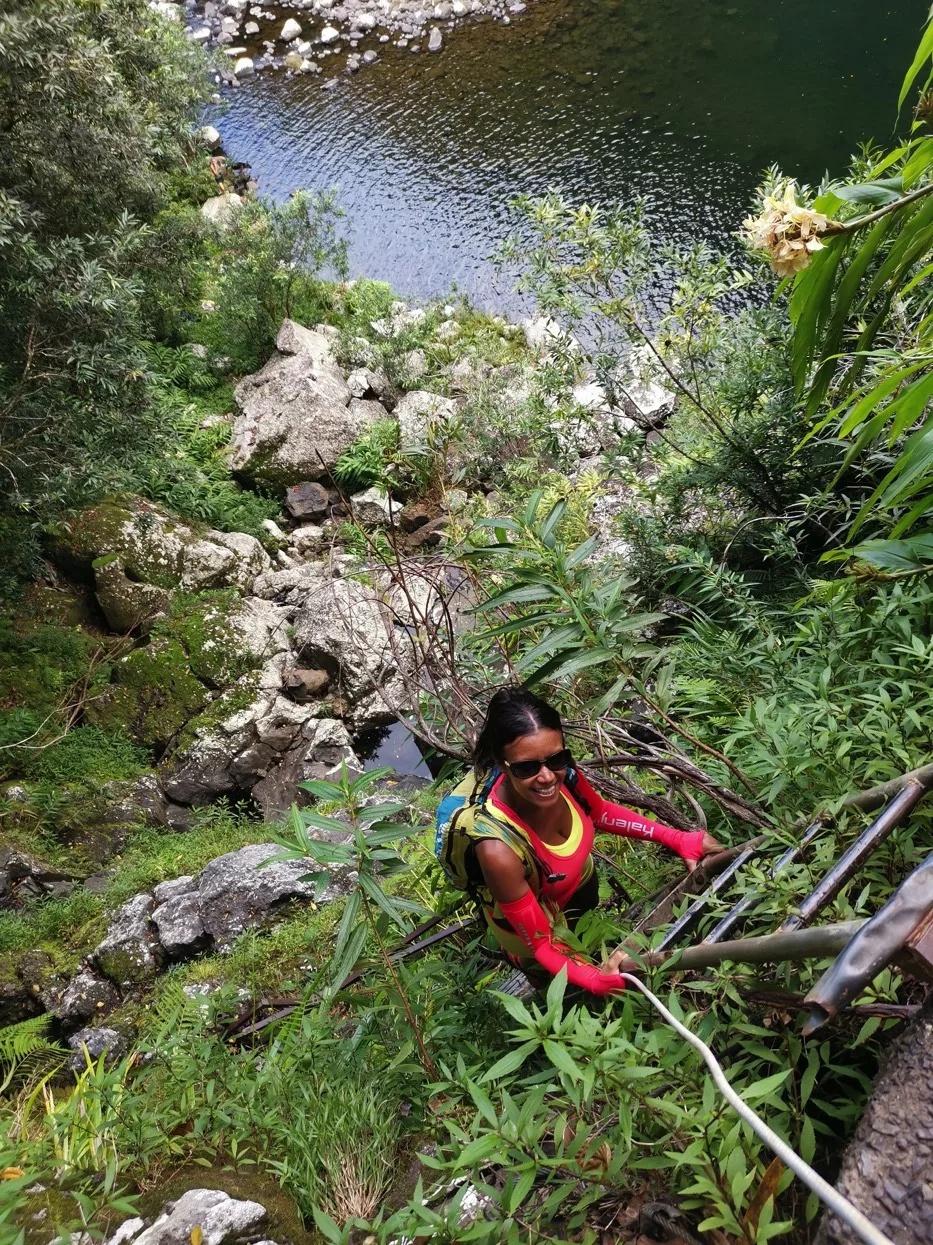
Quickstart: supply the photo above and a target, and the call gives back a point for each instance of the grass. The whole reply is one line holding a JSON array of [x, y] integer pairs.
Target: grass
[[67, 928]]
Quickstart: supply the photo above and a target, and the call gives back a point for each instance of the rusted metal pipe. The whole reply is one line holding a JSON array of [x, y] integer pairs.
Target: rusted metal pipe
[[689, 918], [801, 944], [878, 942], [852, 860], [735, 915]]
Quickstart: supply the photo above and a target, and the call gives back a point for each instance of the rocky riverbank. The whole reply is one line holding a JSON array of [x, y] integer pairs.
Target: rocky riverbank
[[321, 36]]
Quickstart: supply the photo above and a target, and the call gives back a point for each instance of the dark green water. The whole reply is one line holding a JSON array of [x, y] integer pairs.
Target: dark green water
[[680, 104]]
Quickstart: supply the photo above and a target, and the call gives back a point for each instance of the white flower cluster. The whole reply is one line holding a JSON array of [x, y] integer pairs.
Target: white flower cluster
[[786, 230]]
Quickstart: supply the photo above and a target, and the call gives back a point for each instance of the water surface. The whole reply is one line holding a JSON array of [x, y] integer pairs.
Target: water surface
[[680, 104]]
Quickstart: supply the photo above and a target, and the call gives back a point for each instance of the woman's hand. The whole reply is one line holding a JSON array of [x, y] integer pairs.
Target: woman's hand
[[710, 846]]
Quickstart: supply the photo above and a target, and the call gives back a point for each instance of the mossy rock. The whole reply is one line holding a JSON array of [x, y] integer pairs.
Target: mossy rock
[[153, 695], [201, 624]]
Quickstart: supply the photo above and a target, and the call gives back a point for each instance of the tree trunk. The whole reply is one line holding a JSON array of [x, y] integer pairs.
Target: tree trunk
[[887, 1171]]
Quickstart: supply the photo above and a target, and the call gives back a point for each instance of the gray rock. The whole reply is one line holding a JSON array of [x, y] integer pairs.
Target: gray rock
[[236, 894], [97, 1041], [181, 929], [127, 1230], [85, 998], [131, 952], [222, 1219], [295, 420], [210, 137], [174, 888], [26, 877], [308, 500], [294, 338], [420, 411], [308, 539], [436, 40], [221, 209], [373, 508]]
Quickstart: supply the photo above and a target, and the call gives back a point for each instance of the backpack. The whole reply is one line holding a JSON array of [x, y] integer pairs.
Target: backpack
[[467, 816]]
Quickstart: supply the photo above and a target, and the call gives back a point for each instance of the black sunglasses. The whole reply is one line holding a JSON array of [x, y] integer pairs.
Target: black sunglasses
[[528, 769]]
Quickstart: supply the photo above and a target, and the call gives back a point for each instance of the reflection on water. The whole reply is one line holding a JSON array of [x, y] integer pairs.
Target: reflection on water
[[681, 104], [394, 746]]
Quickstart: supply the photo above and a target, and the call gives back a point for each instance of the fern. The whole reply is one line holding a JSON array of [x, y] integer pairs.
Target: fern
[[26, 1052]]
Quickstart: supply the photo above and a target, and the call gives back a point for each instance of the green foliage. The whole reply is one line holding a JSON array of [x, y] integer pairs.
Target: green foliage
[[98, 99], [370, 458], [267, 266], [26, 1051], [862, 313], [369, 910], [580, 614]]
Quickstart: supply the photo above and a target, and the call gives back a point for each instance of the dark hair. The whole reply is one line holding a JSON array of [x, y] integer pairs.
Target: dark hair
[[512, 712]]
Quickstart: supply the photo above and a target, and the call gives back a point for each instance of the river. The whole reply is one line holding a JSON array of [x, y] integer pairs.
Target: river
[[680, 104]]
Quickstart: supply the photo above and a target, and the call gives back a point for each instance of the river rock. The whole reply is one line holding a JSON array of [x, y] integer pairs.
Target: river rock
[[221, 1220], [330, 34], [244, 67], [308, 500], [435, 40], [96, 1042], [222, 209], [296, 416], [131, 952], [643, 398], [419, 411], [210, 137], [290, 30]]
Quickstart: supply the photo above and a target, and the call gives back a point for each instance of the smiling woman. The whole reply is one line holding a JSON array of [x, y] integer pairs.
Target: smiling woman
[[533, 835]]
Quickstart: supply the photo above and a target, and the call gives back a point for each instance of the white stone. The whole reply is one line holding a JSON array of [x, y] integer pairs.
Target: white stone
[[201, 35], [436, 40], [221, 209], [290, 30], [251, 28], [330, 34], [365, 21], [244, 67], [210, 137]]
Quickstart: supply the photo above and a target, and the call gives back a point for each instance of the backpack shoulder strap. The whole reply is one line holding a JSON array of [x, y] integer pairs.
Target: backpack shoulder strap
[[572, 783]]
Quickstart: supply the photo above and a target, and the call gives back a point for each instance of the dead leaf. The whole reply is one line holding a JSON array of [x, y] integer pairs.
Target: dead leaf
[[767, 1189], [11, 1173], [197, 1235]]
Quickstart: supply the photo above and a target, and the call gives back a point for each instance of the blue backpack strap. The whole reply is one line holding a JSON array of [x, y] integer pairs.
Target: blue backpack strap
[[572, 783]]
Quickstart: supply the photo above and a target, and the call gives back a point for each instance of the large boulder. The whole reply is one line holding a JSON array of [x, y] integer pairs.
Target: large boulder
[[137, 554], [418, 413], [96, 1042], [296, 416], [218, 1218], [131, 952], [339, 627], [236, 893], [257, 739], [209, 643]]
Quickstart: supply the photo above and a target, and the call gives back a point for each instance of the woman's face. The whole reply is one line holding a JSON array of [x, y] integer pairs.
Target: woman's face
[[543, 790]]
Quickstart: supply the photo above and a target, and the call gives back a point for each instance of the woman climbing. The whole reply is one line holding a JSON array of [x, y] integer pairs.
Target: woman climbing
[[544, 802]]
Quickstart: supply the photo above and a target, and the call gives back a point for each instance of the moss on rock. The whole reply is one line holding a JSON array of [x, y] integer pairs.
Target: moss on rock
[[202, 625], [154, 694]]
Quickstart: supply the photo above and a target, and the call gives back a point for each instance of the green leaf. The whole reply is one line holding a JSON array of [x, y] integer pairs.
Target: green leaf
[[562, 1060], [563, 666], [581, 553], [924, 53], [766, 1086], [483, 1104], [911, 554], [511, 1061], [556, 513], [326, 1226], [382, 900], [877, 193], [521, 594], [515, 1008]]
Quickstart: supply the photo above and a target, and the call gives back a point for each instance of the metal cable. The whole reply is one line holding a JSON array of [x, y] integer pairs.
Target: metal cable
[[838, 1204]]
